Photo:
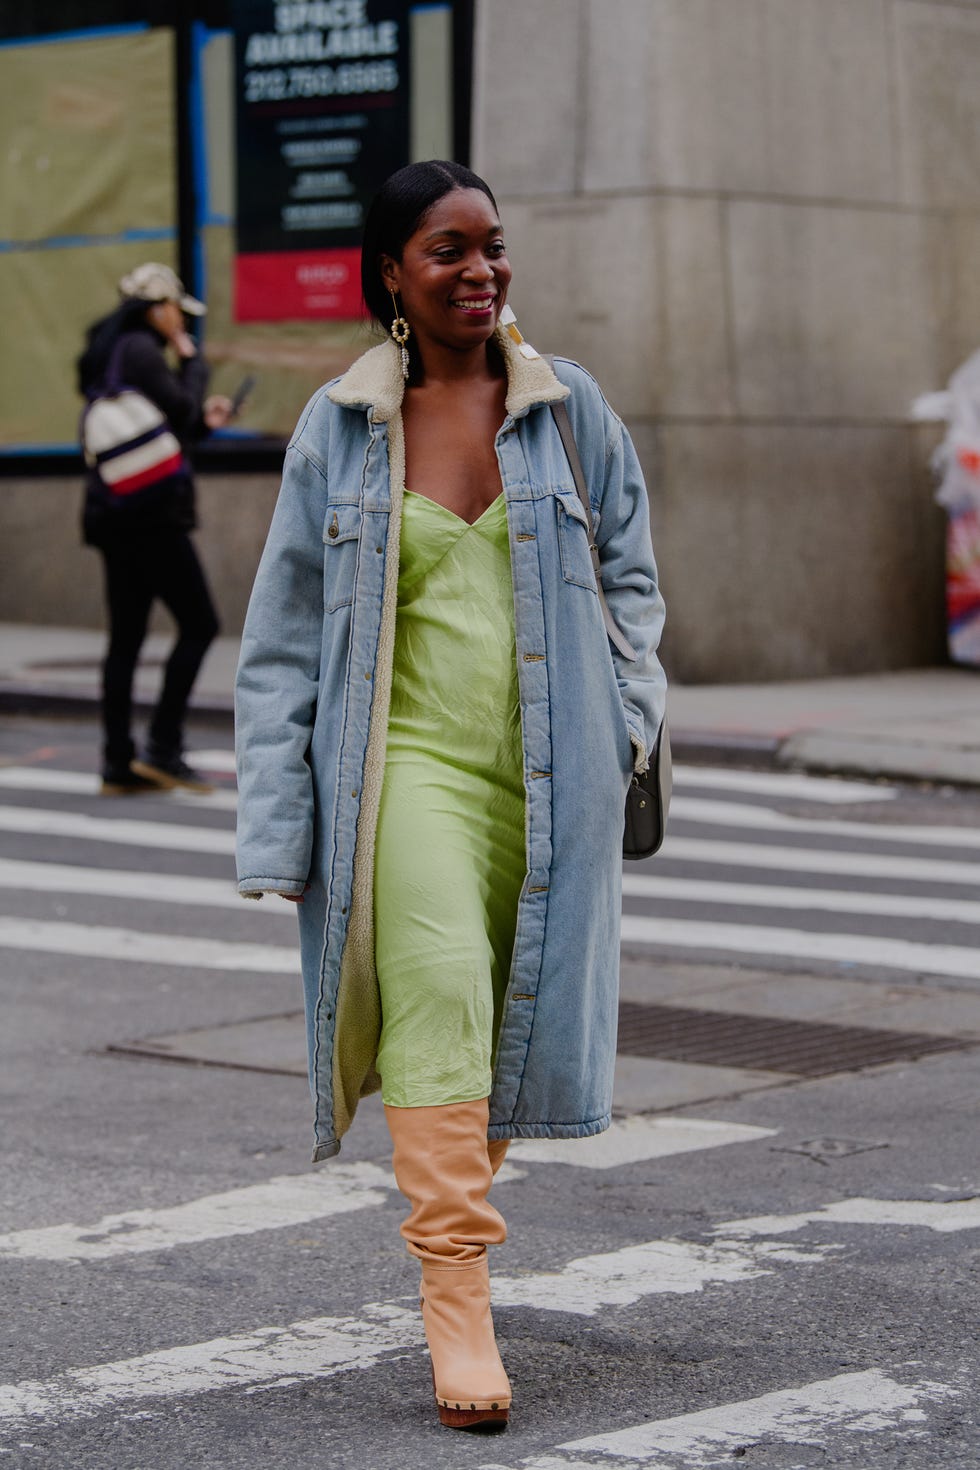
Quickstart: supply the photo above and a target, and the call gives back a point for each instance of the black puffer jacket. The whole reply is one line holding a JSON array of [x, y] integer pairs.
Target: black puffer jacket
[[142, 364]]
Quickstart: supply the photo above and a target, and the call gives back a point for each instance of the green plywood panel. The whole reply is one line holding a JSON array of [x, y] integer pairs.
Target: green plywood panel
[[88, 129]]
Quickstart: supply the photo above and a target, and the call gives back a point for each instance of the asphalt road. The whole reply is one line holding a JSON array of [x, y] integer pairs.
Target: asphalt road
[[771, 1259]]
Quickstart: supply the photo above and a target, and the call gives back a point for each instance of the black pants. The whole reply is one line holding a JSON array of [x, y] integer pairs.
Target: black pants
[[166, 566]]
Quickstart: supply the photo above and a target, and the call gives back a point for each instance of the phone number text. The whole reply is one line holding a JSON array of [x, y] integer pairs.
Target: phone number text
[[281, 83]]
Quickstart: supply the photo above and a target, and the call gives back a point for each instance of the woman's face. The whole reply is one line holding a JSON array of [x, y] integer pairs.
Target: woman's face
[[453, 275], [166, 318]]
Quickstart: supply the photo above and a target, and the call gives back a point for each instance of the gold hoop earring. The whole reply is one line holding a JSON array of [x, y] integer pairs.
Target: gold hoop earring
[[400, 331]]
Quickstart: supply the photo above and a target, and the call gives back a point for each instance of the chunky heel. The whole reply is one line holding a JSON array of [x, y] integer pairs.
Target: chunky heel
[[489, 1421], [489, 1417]]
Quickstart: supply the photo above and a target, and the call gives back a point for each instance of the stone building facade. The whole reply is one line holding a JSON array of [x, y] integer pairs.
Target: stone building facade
[[758, 223]]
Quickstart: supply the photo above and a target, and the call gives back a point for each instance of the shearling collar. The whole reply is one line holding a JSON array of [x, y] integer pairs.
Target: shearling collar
[[375, 381]]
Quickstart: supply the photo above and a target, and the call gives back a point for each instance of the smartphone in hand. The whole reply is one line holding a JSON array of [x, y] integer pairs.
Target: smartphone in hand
[[241, 393]]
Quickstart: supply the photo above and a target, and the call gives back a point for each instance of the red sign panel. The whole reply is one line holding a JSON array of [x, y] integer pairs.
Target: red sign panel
[[284, 284]]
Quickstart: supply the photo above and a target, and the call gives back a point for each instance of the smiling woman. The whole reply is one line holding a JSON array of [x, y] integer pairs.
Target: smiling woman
[[436, 737]]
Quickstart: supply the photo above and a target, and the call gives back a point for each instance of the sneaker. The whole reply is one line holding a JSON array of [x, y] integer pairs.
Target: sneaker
[[170, 771], [124, 781]]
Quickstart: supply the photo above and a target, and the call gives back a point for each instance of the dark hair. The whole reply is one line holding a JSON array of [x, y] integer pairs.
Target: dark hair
[[102, 337], [396, 212]]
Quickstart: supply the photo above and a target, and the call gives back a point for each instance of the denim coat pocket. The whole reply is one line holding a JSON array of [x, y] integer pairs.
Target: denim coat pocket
[[573, 541], [341, 539]]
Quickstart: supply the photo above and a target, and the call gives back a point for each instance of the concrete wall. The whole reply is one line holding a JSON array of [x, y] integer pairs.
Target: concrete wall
[[758, 223], [50, 577]]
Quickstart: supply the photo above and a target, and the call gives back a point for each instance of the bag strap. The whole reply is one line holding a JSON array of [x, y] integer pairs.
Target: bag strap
[[564, 425], [110, 384]]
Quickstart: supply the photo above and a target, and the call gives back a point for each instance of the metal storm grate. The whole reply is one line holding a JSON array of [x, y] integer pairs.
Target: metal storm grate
[[800, 1048]]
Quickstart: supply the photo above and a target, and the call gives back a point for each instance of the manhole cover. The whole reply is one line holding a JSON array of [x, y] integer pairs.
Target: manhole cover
[[800, 1048], [666, 1033]]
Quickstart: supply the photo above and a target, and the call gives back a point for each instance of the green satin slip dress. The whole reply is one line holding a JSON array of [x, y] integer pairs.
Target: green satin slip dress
[[450, 853]]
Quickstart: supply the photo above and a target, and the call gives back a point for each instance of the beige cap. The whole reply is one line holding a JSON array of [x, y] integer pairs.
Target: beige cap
[[155, 282]]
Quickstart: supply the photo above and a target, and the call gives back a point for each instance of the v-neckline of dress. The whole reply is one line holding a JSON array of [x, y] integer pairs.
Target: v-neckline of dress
[[461, 520]]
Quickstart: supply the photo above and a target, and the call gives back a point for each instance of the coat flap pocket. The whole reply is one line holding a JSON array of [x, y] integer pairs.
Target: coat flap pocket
[[341, 523], [568, 501]]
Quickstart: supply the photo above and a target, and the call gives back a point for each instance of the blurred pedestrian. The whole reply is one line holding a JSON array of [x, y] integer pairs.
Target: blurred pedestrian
[[142, 531], [436, 738]]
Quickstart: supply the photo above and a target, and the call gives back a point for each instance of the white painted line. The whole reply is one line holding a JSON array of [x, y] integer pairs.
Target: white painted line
[[853, 1403], [219, 761], [42, 778], [742, 814], [656, 1268], [816, 860], [316, 1348], [156, 949], [773, 783], [944, 1216], [322, 1346], [632, 1140], [82, 783], [801, 944], [294, 1199], [38, 877], [832, 900], [217, 893], [275, 1205], [126, 830]]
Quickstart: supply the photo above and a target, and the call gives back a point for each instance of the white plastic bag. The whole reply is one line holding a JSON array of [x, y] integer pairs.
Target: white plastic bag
[[957, 460]]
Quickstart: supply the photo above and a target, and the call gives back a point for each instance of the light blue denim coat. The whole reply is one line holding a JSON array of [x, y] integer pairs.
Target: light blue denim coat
[[312, 709]]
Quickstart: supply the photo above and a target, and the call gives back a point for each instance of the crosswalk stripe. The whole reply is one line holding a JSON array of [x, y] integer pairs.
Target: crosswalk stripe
[[83, 783], [102, 942], [340, 1188], [40, 877], [114, 883], [852, 949], [277, 1204], [786, 787], [107, 942], [219, 761], [774, 783], [634, 1139], [743, 814], [584, 1287], [858, 1403], [827, 790], [320, 1347], [834, 900], [129, 831], [944, 1216], [316, 1348], [818, 860]]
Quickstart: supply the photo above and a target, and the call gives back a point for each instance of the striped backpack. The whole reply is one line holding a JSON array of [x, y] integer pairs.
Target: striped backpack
[[129, 442]]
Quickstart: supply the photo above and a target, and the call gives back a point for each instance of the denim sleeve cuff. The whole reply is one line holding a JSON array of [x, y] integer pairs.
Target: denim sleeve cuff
[[255, 887]]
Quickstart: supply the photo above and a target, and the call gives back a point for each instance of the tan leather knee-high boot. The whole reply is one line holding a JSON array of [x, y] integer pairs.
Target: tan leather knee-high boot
[[442, 1166], [497, 1149]]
